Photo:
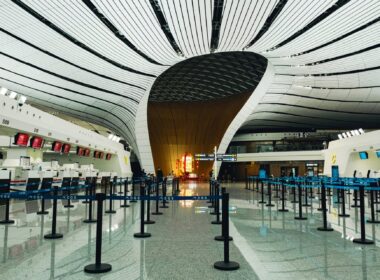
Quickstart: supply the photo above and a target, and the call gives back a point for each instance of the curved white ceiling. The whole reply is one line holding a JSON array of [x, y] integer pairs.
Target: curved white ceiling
[[97, 59]]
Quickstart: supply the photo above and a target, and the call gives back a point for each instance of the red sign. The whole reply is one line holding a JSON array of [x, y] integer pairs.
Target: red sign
[[57, 146], [108, 156], [36, 142], [80, 151], [101, 155], [66, 148], [21, 139], [87, 152]]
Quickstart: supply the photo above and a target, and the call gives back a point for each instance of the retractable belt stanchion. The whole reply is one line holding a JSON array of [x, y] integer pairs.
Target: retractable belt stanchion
[[355, 205], [226, 264], [157, 212], [212, 188], [164, 195], [98, 266], [86, 191], [54, 234], [373, 218], [148, 221], [262, 192], [133, 191], [120, 186], [306, 201], [269, 204], [216, 201], [142, 233], [324, 210], [300, 217], [283, 198], [362, 239], [277, 190], [294, 194], [110, 210], [6, 214], [216, 209], [221, 237], [125, 204], [343, 202], [91, 192], [42, 211]]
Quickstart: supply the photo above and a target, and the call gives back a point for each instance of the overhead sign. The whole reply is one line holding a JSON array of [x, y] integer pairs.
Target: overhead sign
[[219, 157], [205, 157]]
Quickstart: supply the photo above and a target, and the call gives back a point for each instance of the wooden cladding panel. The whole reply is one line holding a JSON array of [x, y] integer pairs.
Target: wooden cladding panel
[[176, 128]]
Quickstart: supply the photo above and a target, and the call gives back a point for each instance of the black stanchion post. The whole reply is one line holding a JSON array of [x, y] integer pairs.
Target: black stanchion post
[[125, 204], [86, 191], [110, 210], [212, 188], [157, 212], [91, 192], [226, 264], [133, 190], [306, 201], [221, 237], [216, 209], [300, 217], [362, 239], [209, 186], [120, 185], [355, 205], [54, 234], [246, 179], [142, 233], [98, 266], [269, 204], [6, 214], [216, 201], [283, 198], [373, 218], [42, 211], [262, 192], [164, 195], [324, 210], [148, 221], [343, 214]]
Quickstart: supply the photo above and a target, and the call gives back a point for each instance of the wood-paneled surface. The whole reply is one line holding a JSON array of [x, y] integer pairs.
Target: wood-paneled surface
[[176, 128]]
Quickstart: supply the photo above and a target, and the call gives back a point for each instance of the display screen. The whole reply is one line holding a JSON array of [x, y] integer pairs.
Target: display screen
[[101, 155], [363, 155], [66, 148], [21, 139], [262, 173], [378, 153], [87, 152], [36, 142], [80, 151], [57, 146], [108, 156], [96, 154]]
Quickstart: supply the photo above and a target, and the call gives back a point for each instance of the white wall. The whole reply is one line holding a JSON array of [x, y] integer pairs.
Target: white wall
[[281, 156], [345, 154]]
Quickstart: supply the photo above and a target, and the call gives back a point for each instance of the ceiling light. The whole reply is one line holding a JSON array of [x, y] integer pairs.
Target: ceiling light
[[3, 91], [340, 136], [110, 136], [361, 131], [21, 100], [12, 95]]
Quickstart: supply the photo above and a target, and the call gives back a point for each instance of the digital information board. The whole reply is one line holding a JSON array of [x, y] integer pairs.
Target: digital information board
[[219, 157]]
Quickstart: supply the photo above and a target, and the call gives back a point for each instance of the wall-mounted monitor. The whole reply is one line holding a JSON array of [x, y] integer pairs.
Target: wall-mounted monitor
[[378, 153], [363, 155], [21, 139], [80, 151], [101, 155], [66, 148], [96, 154], [36, 142], [87, 152], [108, 156], [57, 146], [262, 173]]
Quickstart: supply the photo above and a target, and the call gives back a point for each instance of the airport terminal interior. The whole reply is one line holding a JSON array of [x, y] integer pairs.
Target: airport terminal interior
[[189, 139]]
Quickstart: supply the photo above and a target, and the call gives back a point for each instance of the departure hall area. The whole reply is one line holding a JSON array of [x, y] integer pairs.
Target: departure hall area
[[189, 139]]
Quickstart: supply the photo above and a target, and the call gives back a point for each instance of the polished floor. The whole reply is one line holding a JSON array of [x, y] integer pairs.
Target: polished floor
[[267, 244]]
